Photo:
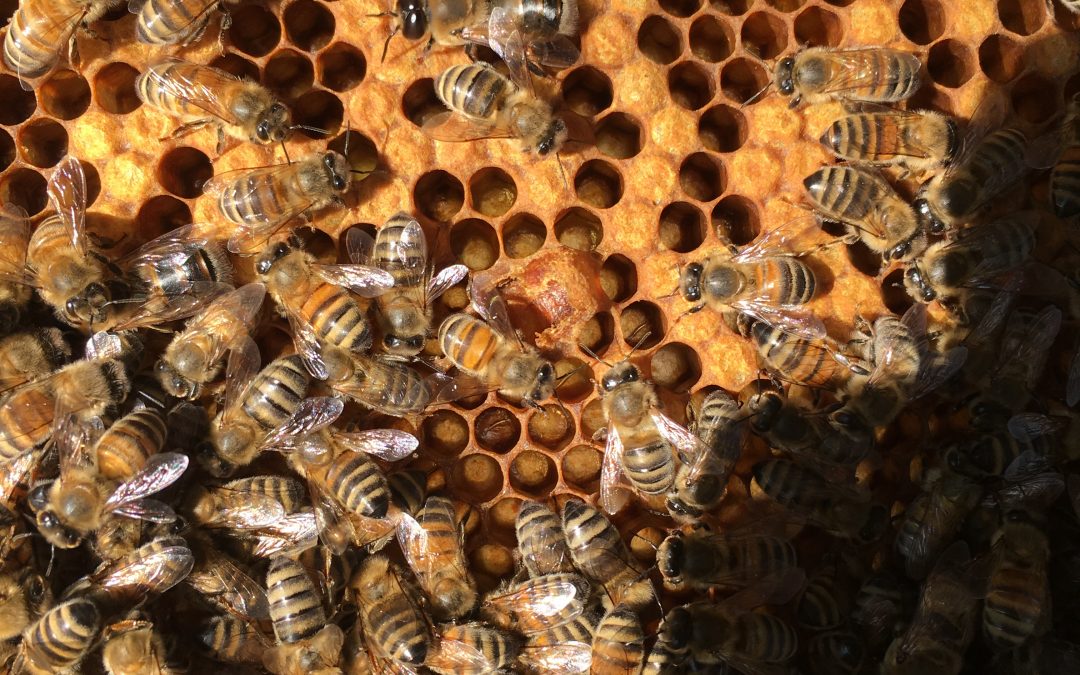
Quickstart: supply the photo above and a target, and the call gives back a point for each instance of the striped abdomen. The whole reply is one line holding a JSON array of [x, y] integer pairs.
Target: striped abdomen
[[408, 270], [336, 318], [62, 636], [995, 164], [123, 449], [498, 648], [650, 467], [39, 31], [619, 644], [289, 492], [390, 620], [358, 483], [782, 280], [473, 90], [540, 540], [276, 392], [1065, 180], [444, 575], [794, 358], [883, 75], [846, 193], [261, 197], [819, 607], [547, 18], [201, 264], [30, 354], [1015, 603], [233, 640], [295, 608], [170, 22], [408, 488], [579, 629], [789, 484], [391, 388], [890, 136], [595, 545], [469, 343], [150, 86], [740, 562], [766, 638], [26, 419]]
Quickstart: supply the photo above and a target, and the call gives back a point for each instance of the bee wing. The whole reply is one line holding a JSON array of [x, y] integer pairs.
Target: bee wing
[[104, 345], [1032, 482], [158, 309], [491, 306], [1038, 338], [365, 281], [458, 657], [447, 389], [240, 370], [161, 471], [563, 658], [71, 438], [200, 87], [1030, 426], [686, 443], [451, 126], [291, 535], [174, 247], [989, 114], [775, 589], [329, 518], [558, 52], [858, 68], [790, 238], [17, 471], [14, 238], [995, 315], [791, 319], [936, 369], [506, 40], [717, 460], [360, 246], [389, 445], [444, 280], [237, 591], [413, 539], [250, 512], [611, 498], [67, 194], [145, 572], [307, 345], [310, 416], [241, 306]]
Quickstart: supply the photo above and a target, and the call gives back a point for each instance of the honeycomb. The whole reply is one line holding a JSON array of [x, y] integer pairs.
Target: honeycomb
[[672, 151]]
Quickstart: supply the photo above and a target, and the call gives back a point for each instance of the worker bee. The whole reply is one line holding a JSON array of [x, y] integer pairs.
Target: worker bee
[[30, 354], [220, 582], [305, 641], [401, 249], [176, 22], [24, 597], [67, 271], [60, 639], [133, 646], [916, 140], [1065, 178], [869, 208], [944, 621], [536, 604], [315, 298], [529, 34], [619, 643], [1017, 605], [142, 575], [194, 357], [233, 640], [701, 480], [484, 104], [490, 350], [540, 540], [392, 388], [408, 489], [471, 649], [434, 547], [992, 453], [206, 96], [260, 201], [794, 359], [797, 432], [39, 31], [15, 284], [599, 552], [727, 560], [933, 518], [820, 74], [246, 503], [125, 447], [393, 625], [563, 649], [440, 21]]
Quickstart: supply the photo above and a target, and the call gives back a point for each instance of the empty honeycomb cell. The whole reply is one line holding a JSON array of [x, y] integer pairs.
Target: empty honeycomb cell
[[420, 103], [681, 227], [25, 188], [493, 191], [161, 214], [618, 278], [1001, 58], [254, 30], [579, 228], [642, 325], [690, 85], [785, 5], [593, 419], [43, 143], [764, 35], [863, 259], [288, 73], [475, 243], [680, 8], [597, 333], [114, 88], [533, 473], [237, 65], [818, 27], [18, 103], [183, 170], [551, 426], [7, 9], [731, 7], [477, 478], [497, 430], [523, 234], [701, 177], [7, 150], [318, 110], [619, 136], [1021, 16], [950, 63], [922, 21], [598, 184], [893, 293], [581, 466], [572, 375], [358, 149], [341, 67], [645, 542], [309, 25], [736, 219], [445, 432], [743, 79], [502, 516], [65, 95], [722, 129], [711, 39], [1035, 98], [658, 40], [587, 91], [439, 195], [676, 367]]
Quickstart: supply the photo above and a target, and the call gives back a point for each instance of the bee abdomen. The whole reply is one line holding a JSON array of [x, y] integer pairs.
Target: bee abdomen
[[62, 636], [540, 540], [286, 491], [337, 319], [123, 449], [650, 467], [359, 484], [791, 280], [26, 419], [295, 607], [468, 342], [164, 22], [408, 489], [472, 90], [1013, 607], [768, 638], [276, 392], [618, 646]]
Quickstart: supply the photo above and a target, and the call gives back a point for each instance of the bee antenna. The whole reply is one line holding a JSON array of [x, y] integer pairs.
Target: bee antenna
[[565, 376], [286, 151], [761, 92], [386, 45], [594, 355], [641, 340], [308, 127], [562, 170], [348, 134]]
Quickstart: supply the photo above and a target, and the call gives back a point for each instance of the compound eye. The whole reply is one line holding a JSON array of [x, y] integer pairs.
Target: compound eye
[[632, 376], [338, 183], [416, 342], [414, 26], [391, 341]]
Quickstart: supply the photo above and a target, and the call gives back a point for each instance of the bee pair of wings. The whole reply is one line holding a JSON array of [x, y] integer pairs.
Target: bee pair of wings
[[545, 598], [454, 654], [146, 572], [67, 197], [519, 50], [43, 24], [849, 70], [1030, 482], [219, 579], [416, 545]]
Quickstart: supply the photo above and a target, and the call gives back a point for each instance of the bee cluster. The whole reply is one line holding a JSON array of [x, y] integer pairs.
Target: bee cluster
[[229, 445]]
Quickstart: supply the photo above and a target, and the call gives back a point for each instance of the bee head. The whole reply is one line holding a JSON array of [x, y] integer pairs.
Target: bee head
[[785, 76], [927, 213], [553, 137], [916, 284], [620, 373], [173, 382], [908, 248], [212, 462], [408, 345], [413, 17], [273, 124], [543, 382], [274, 253], [677, 629], [690, 282], [337, 171], [57, 534], [670, 557]]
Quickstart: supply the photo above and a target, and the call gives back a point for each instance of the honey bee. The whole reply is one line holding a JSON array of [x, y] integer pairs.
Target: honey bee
[[837, 652], [401, 249], [538, 604], [490, 350], [825, 602], [1065, 178], [260, 201], [24, 597], [992, 453], [39, 31], [728, 560], [233, 640], [177, 22], [1017, 607], [540, 540], [618, 646], [916, 140], [472, 649], [393, 625], [882, 606], [315, 298], [305, 641], [869, 208], [565, 649], [933, 519], [484, 104], [434, 547], [393, 388], [701, 480], [142, 575], [30, 354], [944, 621], [440, 21], [60, 639], [246, 503], [599, 552], [68, 273], [820, 74], [974, 256], [133, 646], [528, 34], [795, 431], [15, 288], [408, 489], [838, 509], [125, 447], [206, 96], [194, 357]]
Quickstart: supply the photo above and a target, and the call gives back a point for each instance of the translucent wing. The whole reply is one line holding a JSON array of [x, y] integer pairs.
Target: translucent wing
[[1031, 482], [240, 306], [36, 24], [240, 370], [681, 439], [291, 535], [365, 281], [104, 345], [456, 656], [775, 589], [717, 460], [558, 52], [413, 539], [1029, 426], [790, 238], [444, 280], [611, 498], [1033, 347], [360, 246], [333, 525], [790, 319], [410, 250], [150, 569], [451, 126], [307, 345], [247, 511], [67, 194], [563, 658], [312, 415], [491, 307], [389, 445], [161, 470], [239, 594], [196, 86], [14, 238], [506, 40], [937, 369], [71, 438], [858, 68], [447, 389]]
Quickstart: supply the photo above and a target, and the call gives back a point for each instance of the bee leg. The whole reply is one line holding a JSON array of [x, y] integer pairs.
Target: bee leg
[[185, 129], [220, 141], [105, 243]]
